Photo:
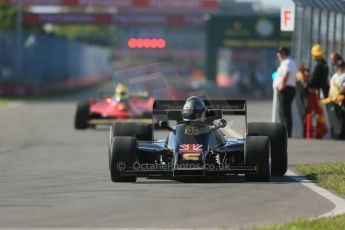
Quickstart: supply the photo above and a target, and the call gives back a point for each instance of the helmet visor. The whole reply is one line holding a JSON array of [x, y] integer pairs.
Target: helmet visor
[[192, 114]]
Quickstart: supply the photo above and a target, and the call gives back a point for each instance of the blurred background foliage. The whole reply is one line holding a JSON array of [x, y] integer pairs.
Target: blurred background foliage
[[8, 16], [91, 34], [98, 35]]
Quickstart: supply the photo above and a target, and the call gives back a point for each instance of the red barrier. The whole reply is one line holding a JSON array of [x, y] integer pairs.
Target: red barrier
[[308, 127], [316, 126], [312, 121]]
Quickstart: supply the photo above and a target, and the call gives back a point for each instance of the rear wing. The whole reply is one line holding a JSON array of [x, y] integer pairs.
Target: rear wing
[[228, 107]]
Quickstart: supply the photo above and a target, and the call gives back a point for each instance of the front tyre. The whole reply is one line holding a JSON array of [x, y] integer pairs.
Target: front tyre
[[122, 156], [257, 152], [82, 115], [143, 132], [277, 134]]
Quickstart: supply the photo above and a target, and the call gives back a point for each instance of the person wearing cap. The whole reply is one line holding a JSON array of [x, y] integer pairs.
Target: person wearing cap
[[285, 84], [318, 80]]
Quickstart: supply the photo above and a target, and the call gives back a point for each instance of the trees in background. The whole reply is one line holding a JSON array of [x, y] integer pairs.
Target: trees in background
[[92, 34], [99, 35], [8, 16]]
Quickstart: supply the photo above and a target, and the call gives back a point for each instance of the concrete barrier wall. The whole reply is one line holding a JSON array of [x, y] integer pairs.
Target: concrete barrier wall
[[47, 59], [7, 55]]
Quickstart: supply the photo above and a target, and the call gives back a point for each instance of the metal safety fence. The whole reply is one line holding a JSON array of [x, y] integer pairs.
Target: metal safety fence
[[318, 21]]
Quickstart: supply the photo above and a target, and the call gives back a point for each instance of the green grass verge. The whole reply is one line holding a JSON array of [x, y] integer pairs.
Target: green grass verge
[[330, 176], [331, 223], [4, 101]]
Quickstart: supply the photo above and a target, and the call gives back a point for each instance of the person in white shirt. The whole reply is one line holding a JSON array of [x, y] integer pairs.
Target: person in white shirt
[[337, 82], [285, 84], [337, 108]]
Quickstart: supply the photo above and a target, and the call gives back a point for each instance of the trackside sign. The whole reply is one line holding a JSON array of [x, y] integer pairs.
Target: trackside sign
[[287, 18]]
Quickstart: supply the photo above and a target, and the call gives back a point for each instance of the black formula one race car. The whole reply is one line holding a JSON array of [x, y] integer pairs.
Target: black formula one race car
[[196, 146]]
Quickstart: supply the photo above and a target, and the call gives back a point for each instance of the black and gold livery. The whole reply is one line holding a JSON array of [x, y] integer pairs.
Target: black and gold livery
[[197, 147]]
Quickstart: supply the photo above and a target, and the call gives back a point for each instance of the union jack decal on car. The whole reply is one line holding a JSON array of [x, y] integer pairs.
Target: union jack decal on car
[[190, 148]]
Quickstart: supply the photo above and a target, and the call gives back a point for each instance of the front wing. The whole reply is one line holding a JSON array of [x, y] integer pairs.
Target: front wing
[[147, 170], [171, 170]]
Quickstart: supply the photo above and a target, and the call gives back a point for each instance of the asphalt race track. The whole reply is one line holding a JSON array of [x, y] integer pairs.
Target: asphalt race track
[[54, 176]]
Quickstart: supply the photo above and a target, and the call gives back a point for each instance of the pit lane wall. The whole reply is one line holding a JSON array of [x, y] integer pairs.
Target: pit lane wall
[[42, 64]]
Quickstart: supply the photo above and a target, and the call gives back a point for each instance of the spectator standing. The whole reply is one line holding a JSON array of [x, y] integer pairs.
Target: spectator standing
[[319, 77], [301, 88], [337, 84], [337, 108], [285, 84], [334, 58]]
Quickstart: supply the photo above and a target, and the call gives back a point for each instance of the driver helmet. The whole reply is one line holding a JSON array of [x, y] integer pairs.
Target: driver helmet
[[194, 110], [121, 92]]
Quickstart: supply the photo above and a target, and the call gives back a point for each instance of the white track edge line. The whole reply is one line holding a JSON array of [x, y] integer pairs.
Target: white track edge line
[[338, 202]]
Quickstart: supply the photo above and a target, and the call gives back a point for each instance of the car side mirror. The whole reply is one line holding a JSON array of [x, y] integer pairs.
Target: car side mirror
[[165, 125], [222, 123]]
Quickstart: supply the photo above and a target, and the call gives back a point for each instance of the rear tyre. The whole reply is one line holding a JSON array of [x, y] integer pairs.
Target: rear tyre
[[143, 132], [82, 115], [122, 156], [257, 151], [277, 134]]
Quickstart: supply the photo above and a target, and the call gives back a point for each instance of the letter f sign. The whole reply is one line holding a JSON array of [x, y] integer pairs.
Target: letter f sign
[[287, 19]]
